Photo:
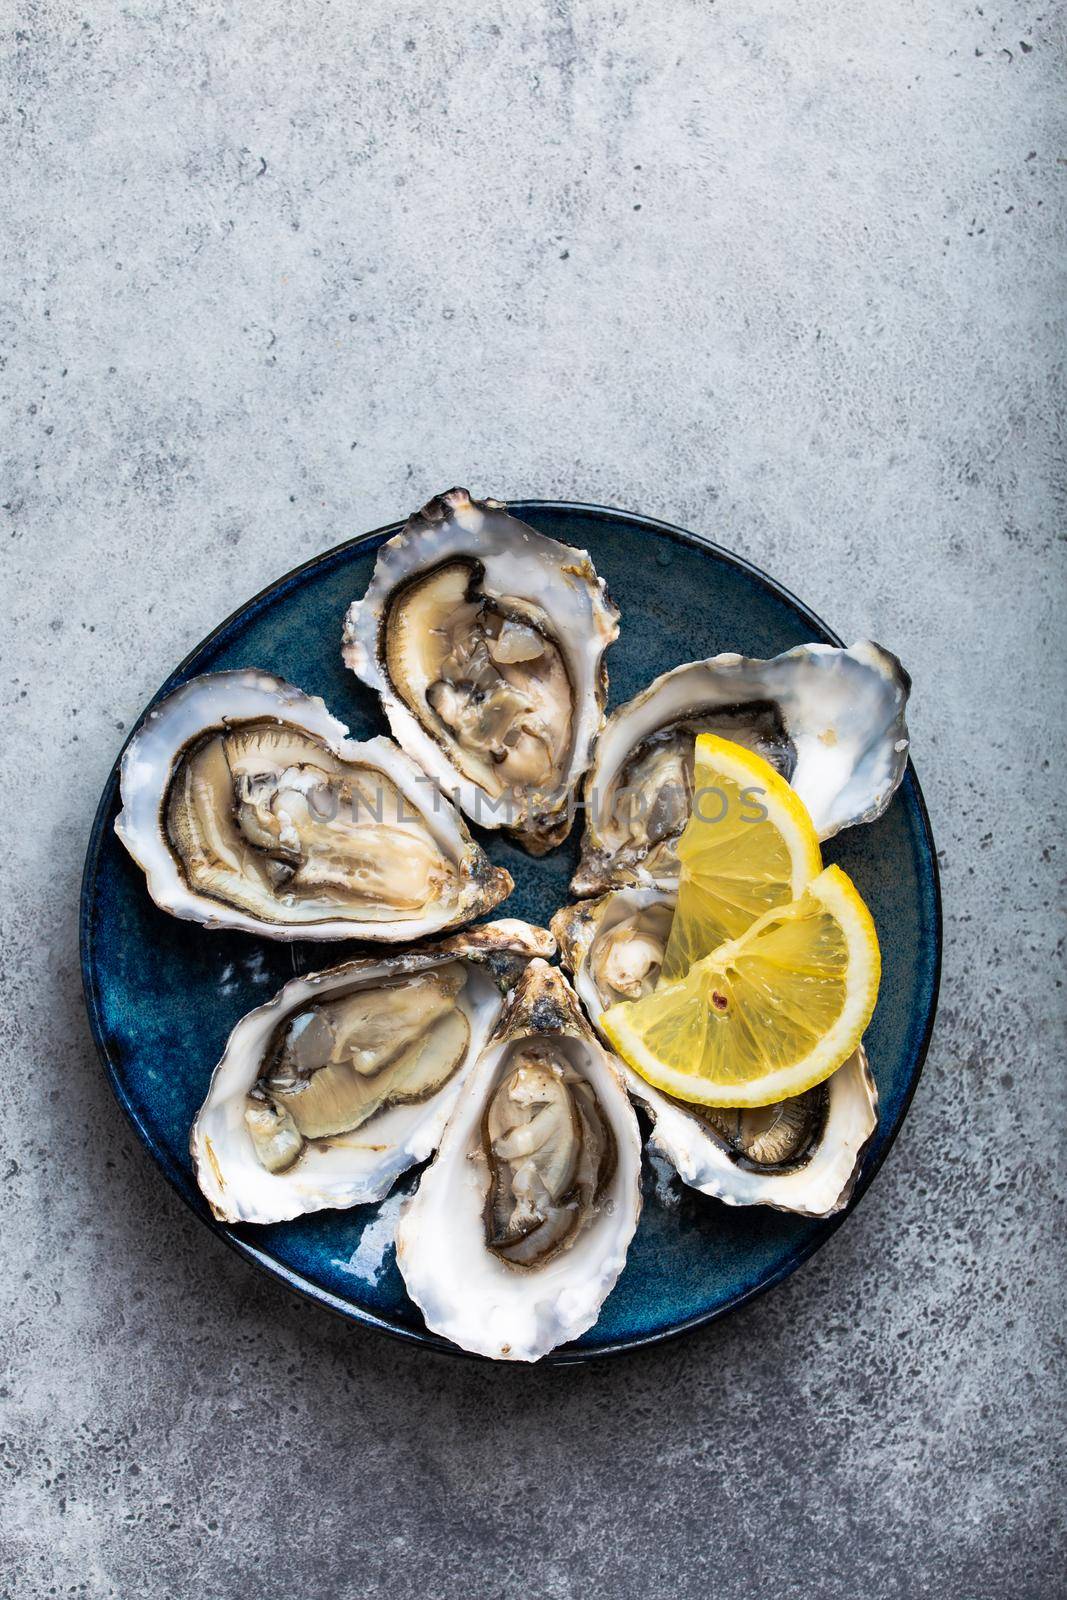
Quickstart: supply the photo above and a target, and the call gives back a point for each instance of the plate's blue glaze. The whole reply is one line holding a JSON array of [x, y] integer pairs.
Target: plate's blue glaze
[[163, 995]]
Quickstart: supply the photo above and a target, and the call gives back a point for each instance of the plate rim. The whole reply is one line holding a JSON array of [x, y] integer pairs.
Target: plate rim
[[178, 1177]]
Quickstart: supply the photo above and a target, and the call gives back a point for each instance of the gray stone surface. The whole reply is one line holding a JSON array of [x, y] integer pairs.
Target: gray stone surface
[[788, 274]]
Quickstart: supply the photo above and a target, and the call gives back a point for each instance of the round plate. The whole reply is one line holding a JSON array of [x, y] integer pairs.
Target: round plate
[[163, 995]]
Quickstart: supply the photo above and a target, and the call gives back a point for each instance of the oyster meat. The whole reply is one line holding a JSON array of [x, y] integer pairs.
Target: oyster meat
[[830, 721], [346, 1078], [486, 641], [520, 1225], [802, 1154], [613, 946], [248, 807]]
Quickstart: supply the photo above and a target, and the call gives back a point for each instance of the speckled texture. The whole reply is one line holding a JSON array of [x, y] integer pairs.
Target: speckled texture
[[789, 275]]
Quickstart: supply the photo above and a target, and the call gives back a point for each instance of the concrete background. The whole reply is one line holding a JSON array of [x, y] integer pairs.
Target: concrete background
[[788, 274]]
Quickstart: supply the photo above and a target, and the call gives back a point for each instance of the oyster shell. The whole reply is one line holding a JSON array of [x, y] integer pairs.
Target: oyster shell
[[325, 1095], [803, 1154], [520, 1225], [247, 806], [831, 721], [486, 641]]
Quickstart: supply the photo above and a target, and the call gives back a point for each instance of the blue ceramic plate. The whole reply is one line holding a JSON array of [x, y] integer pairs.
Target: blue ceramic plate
[[163, 995]]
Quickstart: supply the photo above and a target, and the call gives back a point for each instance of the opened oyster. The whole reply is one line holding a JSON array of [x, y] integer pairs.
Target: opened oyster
[[830, 721], [248, 807], [520, 1226], [486, 642], [803, 1154], [346, 1078]]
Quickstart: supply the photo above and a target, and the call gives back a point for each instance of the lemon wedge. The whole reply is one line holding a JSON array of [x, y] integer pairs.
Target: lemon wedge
[[749, 845], [766, 1015]]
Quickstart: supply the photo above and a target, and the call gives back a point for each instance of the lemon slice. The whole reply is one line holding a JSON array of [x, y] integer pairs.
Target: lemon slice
[[749, 845], [767, 1015]]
